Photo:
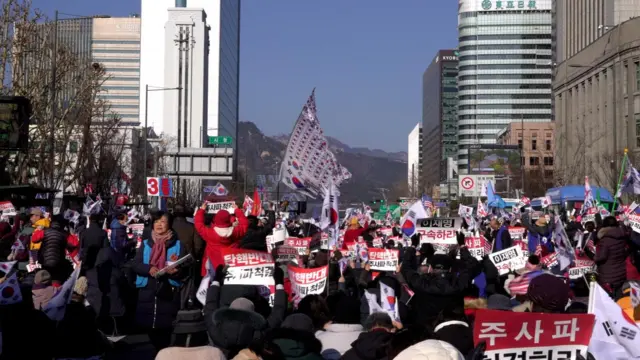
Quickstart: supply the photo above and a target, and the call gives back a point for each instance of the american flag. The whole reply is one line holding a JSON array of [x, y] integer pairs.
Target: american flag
[[520, 285], [427, 202]]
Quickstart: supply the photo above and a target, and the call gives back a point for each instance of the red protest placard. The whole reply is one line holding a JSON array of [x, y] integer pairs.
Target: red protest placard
[[285, 253], [527, 335], [301, 244], [478, 246], [247, 267]]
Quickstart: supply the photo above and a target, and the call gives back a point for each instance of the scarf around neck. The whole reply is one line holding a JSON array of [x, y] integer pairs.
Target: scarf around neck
[[159, 249]]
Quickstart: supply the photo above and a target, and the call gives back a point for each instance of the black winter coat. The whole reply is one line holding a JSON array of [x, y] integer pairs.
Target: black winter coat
[[295, 344], [256, 237], [92, 239], [52, 251], [611, 256], [371, 345], [77, 335], [107, 284], [158, 303], [435, 292]]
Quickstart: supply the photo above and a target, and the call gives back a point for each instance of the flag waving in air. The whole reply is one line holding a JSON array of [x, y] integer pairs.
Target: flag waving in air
[[589, 202], [410, 219], [631, 181], [329, 217]]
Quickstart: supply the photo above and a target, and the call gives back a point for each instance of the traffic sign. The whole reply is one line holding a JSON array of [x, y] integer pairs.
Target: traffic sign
[[467, 183], [220, 140], [472, 185]]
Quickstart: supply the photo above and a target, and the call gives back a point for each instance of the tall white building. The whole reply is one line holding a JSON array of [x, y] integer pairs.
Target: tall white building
[[414, 160], [505, 68], [222, 72]]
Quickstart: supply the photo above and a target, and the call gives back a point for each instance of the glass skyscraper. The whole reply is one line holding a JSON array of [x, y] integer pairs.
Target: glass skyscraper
[[505, 68]]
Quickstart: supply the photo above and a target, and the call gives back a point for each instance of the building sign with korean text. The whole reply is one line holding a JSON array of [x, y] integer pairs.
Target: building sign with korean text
[[248, 267], [523, 335]]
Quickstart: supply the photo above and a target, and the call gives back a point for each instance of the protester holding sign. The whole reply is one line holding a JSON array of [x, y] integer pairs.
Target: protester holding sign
[[221, 235], [159, 297]]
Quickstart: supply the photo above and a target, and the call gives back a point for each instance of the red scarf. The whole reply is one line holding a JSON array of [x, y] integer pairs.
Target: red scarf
[[159, 249]]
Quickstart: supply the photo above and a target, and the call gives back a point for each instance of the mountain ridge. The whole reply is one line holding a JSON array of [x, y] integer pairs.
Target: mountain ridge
[[260, 154]]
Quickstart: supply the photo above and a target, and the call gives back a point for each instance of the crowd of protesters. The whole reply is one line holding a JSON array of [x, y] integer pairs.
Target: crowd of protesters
[[122, 288]]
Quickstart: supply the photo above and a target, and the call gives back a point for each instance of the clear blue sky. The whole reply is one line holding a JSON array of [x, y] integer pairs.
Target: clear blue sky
[[365, 57]]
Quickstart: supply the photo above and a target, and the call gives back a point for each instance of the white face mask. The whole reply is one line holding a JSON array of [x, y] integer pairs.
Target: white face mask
[[547, 219]]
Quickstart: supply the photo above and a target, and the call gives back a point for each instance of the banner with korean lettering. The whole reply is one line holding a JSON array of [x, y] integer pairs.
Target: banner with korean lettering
[[478, 246], [307, 281], [581, 265], [246, 267], [634, 222], [522, 335], [442, 231], [285, 253], [301, 244], [516, 232], [214, 207], [383, 259], [508, 259]]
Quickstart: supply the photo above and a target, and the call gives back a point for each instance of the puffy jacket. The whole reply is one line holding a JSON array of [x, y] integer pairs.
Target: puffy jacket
[[611, 255], [430, 350], [351, 236], [118, 235], [188, 236], [336, 339], [218, 239], [52, 251], [371, 345], [256, 236]]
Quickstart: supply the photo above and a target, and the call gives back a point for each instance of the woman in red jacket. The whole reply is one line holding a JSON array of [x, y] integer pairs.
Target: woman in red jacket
[[223, 234], [352, 233]]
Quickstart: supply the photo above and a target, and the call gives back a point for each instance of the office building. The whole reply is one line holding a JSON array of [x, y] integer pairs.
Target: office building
[[439, 116], [414, 160], [505, 68], [116, 45], [222, 71], [578, 23], [536, 143], [597, 92]]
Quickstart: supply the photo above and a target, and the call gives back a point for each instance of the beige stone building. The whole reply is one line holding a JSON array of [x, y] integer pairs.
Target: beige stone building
[[597, 107], [536, 141]]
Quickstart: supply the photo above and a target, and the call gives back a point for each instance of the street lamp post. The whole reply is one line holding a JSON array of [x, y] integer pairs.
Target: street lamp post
[[148, 88]]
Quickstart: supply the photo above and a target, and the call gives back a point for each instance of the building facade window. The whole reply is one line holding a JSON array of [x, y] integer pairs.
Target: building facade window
[[534, 161], [548, 161], [548, 145], [534, 144], [520, 144]]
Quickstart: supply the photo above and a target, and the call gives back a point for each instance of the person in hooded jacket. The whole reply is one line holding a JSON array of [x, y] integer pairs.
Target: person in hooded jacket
[[611, 255], [499, 235], [92, 239], [440, 288], [539, 234], [238, 326], [373, 343], [159, 295], [295, 339], [336, 336], [119, 237], [256, 236], [222, 235], [453, 328]]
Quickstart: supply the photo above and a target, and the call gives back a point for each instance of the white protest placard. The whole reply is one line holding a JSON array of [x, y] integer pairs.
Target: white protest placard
[[246, 267], [7, 209], [377, 242], [285, 253], [508, 259], [214, 207], [634, 222], [438, 230], [582, 265], [516, 232], [307, 281], [301, 244], [383, 259]]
